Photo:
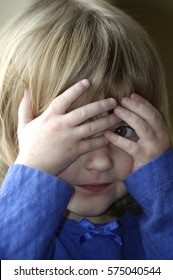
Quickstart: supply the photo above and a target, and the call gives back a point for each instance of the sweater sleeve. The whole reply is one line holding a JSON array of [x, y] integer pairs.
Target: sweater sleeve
[[152, 188], [32, 204]]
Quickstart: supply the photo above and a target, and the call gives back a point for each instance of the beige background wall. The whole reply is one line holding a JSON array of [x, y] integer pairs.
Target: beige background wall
[[155, 15], [10, 7]]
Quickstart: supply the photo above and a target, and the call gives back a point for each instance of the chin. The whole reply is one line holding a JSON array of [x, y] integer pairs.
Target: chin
[[91, 206]]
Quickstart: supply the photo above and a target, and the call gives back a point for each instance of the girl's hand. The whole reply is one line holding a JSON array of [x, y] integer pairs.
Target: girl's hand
[[153, 137], [52, 141]]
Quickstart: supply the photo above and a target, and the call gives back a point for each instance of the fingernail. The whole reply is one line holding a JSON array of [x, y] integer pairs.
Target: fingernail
[[118, 109], [124, 100], [85, 83], [112, 101], [133, 96]]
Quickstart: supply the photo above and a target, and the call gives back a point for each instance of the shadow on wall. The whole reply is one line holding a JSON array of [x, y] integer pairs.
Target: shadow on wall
[[157, 18]]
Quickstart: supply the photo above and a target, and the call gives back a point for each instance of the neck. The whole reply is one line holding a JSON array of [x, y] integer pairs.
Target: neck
[[104, 218]]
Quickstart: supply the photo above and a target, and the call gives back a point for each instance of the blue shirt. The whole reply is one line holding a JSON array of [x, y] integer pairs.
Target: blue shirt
[[32, 226]]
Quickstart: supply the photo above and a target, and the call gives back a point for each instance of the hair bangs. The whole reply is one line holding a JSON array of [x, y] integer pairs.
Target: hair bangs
[[91, 51]]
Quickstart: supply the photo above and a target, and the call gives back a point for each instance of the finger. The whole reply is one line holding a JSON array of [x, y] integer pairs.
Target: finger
[[91, 110], [97, 126], [144, 109], [141, 127], [25, 114], [63, 101], [144, 101], [92, 144], [128, 146]]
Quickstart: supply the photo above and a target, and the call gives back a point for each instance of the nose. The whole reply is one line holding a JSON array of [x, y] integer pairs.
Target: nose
[[99, 160]]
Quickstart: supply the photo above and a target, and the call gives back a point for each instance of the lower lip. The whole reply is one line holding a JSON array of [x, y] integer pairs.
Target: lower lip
[[95, 188]]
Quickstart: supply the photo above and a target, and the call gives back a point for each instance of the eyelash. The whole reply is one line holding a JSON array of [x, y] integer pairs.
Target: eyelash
[[120, 132]]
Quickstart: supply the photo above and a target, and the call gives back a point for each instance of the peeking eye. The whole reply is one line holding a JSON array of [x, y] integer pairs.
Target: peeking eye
[[125, 131]]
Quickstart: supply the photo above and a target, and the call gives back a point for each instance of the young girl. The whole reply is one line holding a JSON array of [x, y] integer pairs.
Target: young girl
[[86, 161]]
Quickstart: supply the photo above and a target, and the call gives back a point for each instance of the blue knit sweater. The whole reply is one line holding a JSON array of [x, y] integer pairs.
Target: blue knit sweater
[[32, 226]]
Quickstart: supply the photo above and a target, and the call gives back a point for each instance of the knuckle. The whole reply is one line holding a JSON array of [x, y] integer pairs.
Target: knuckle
[[51, 109], [92, 128], [130, 145], [62, 99], [155, 114], [53, 104], [45, 118], [92, 144], [83, 113], [146, 130], [51, 123]]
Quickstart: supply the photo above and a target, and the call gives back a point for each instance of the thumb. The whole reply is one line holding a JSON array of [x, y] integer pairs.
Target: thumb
[[25, 114]]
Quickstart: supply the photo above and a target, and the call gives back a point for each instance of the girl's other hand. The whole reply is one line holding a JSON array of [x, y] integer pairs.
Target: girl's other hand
[[153, 136], [52, 141]]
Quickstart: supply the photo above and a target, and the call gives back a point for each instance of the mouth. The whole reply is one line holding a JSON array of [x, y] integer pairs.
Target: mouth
[[95, 188]]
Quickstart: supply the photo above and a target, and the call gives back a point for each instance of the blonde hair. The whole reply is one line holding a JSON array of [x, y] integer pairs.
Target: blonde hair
[[56, 43]]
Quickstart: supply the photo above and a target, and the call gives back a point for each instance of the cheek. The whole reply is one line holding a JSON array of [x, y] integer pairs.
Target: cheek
[[123, 164], [128, 164], [69, 174]]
